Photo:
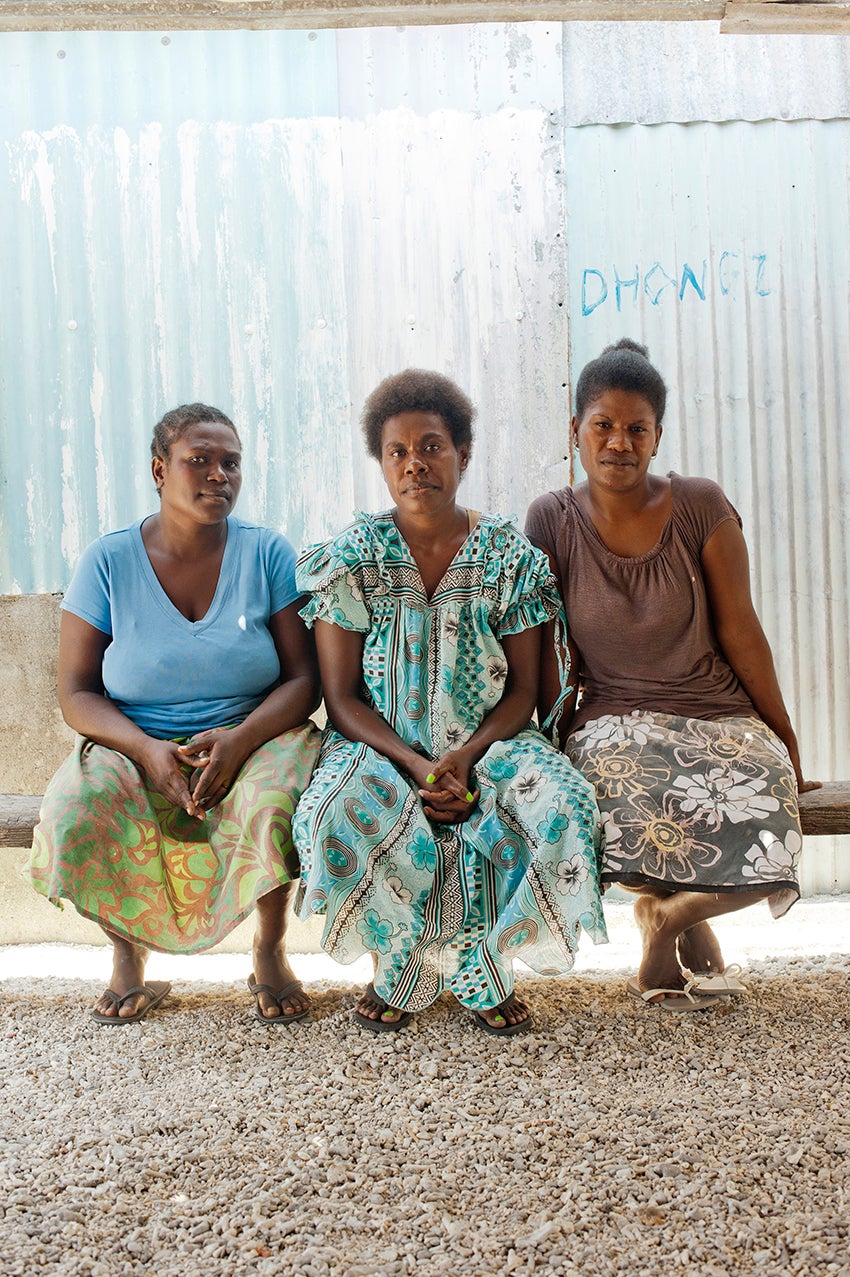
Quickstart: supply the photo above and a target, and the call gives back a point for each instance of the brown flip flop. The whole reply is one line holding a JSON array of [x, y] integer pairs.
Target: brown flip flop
[[278, 995], [154, 991]]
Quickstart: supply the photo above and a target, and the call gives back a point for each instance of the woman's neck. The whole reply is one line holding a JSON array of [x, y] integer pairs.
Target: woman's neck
[[629, 523], [181, 539], [614, 506], [433, 541]]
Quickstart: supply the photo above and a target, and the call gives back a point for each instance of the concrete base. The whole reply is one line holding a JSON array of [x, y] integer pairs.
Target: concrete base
[[34, 739]]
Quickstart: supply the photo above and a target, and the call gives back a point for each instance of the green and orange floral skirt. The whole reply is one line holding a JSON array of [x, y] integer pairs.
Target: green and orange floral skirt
[[142, 868]]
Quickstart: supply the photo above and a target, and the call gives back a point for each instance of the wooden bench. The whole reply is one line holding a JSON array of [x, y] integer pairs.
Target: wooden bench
[[822, 811]]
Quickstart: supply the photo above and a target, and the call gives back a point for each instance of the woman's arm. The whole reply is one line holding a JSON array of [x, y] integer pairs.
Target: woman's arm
[[551, 661], [725, 564], [88, 711], [341, 665], [550, 680], [221, 751]]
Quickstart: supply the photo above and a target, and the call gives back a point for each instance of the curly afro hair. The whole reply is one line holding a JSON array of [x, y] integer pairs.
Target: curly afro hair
[[417, 390]]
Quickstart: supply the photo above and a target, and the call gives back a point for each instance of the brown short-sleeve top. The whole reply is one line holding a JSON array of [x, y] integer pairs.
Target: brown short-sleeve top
[[642, 625]]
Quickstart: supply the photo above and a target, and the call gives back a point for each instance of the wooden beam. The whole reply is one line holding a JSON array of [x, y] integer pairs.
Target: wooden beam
[[826, 810], [822, 811], [167, 15], [786, 17], [18, 816]]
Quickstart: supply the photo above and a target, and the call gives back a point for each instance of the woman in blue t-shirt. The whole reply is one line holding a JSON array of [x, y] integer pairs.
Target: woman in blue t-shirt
[[189, 675]]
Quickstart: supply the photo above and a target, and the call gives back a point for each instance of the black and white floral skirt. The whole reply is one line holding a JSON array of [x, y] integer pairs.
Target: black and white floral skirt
[[693, 805]]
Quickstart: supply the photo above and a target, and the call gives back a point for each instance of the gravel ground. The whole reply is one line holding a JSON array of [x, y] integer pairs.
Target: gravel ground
[[614, 1138]]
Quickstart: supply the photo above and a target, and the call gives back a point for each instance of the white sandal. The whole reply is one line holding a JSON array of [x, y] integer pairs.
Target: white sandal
[[672, 999], [719, 981]]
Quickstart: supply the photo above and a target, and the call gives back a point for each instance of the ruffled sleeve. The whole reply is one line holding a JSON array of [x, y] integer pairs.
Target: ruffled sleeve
[[526, 590], [334, 573]]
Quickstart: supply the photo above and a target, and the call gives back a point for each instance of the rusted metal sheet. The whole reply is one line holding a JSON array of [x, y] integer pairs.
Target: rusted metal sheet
[[207, 15]]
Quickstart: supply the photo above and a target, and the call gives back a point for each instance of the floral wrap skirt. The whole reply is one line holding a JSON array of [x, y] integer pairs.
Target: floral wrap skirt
[[693, 805]]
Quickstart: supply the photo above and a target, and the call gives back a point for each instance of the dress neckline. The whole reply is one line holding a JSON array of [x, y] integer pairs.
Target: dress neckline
[[161, 596], [474, 521], [636, 559]]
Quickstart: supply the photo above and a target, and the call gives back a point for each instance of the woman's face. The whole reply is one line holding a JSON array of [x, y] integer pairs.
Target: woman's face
[[617, 437], [203, 475], [421, 465]]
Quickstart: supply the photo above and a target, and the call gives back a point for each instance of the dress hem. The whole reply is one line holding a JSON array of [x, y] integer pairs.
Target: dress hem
[[183, 951], [642, 880]]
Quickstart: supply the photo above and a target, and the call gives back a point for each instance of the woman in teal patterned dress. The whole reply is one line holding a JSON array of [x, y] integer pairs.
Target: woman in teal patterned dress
[[441, 833]]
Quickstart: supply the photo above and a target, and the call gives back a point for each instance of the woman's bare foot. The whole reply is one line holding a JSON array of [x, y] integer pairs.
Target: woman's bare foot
[[699, 950], [659, 968], [371, 1007], [271, 967], [511, 1011], [128, 972]]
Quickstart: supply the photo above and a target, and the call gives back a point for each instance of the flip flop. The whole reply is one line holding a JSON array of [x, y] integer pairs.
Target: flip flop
[[381, 1026], [154, 991], [674, 999], [278, 995], [719, 981], [502, 1030]]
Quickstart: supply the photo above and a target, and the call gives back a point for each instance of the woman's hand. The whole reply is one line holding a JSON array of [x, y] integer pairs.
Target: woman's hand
[[166, 773], [805, 786], [447, 796], [217, 756]]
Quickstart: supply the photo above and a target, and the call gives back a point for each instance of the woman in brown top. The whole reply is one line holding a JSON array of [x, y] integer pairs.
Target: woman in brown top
[[681, 724]]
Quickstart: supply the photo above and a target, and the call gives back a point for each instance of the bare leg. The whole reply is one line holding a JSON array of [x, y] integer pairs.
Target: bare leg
[[128, 971], [270, 962], [662, 920], [698, 950]]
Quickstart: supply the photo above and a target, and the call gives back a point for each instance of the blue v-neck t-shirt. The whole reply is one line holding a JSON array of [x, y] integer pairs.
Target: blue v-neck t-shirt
[[172, 676]]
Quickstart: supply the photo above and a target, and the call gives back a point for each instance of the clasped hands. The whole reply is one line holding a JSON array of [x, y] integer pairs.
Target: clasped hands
[[197, 774], [446, 794]]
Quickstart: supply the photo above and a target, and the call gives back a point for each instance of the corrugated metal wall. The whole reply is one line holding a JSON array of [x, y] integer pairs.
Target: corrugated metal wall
[[725, 248], [270, 222], [273, 221]]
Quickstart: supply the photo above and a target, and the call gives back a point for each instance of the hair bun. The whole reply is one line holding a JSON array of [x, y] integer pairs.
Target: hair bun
[[626, 343]]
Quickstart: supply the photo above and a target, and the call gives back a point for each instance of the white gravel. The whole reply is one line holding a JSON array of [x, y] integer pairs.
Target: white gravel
[[613, 1139]]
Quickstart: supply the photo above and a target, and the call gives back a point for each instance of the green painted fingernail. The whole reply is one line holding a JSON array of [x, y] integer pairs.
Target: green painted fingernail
[[429, 780], [469, 798]]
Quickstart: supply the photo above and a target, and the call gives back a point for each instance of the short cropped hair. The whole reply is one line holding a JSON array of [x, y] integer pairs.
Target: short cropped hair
[[417, 390], [623, 366], [175, 423]]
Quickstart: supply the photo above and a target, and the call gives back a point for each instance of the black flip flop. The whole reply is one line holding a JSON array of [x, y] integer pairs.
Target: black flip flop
[[505, 1030], [278, 995], [154, 991], [381, 1026]]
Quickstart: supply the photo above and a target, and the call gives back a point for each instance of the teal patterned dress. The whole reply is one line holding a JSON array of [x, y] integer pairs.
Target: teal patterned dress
[[443, 906]]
